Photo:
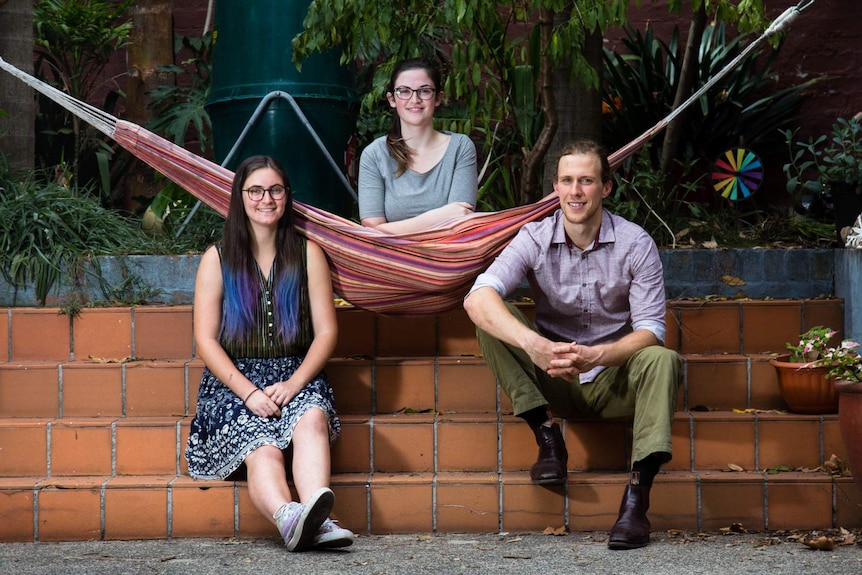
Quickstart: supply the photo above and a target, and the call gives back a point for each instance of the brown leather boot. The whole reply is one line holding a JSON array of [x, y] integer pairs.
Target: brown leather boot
[[632, 527], [550, 467]]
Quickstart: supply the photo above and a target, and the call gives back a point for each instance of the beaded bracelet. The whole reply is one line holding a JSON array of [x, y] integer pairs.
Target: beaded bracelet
[[250, 394]]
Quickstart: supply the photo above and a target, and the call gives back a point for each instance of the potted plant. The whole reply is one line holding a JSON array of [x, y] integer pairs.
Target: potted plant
[[846, 374], [828, 168], [803, 377]]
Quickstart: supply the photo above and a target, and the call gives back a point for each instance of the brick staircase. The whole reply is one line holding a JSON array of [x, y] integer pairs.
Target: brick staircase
[[94, 414]]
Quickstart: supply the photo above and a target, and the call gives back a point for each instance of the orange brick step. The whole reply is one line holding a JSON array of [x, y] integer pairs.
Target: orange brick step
[[157, 507], [165, 332], [446, 384], [425, 443], [93, 447]]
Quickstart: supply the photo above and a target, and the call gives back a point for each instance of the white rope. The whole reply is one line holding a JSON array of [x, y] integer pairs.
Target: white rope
[[99, 119], [780, 23]]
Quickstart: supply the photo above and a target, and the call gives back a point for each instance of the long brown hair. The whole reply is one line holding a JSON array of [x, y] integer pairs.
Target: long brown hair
[[239, 269], [395, 143]]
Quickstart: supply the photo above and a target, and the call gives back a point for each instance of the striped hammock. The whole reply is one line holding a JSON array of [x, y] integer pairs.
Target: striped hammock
[[420, 273]]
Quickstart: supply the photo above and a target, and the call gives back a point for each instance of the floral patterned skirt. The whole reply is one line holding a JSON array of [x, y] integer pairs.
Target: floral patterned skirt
[[224, 431]]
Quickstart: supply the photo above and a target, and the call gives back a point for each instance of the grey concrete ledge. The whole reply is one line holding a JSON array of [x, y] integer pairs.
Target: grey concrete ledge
[[759, 273]]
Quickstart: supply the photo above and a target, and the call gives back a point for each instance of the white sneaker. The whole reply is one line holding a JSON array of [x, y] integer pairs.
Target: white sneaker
[[331, 536], [299, 523]]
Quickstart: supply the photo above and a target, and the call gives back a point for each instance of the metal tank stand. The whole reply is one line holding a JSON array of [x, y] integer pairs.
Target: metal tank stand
[[252, 122]]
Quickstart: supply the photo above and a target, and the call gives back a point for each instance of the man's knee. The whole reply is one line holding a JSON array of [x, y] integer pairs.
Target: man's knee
[[656, 357], [658, 365]]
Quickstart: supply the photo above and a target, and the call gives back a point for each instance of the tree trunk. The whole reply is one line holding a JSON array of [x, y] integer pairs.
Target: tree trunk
[[687, 77], [534, 157], [151, 45], [578, 107], [17, 99]]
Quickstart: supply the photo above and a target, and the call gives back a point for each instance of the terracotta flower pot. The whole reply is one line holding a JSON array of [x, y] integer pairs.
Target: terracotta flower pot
[[850, 422], [805, 388]]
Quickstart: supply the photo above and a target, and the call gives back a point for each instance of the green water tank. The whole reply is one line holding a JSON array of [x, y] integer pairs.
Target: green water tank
[[252, 58]]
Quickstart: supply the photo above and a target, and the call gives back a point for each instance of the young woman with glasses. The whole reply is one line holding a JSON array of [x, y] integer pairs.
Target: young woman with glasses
[[416, 176], [264, 326]]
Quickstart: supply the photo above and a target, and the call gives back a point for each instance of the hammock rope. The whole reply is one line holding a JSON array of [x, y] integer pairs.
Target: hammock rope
[[419, 273]]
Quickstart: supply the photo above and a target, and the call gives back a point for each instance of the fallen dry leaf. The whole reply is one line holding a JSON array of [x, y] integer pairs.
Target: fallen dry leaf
[[847, 538], [110, 359], [735, 467], [556, 531], [732, 280], [734, 528], [821, 543], [769, 541], [835, 466]]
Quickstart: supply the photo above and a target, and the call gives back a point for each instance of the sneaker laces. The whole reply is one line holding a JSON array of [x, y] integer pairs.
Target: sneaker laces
[[328, 526]]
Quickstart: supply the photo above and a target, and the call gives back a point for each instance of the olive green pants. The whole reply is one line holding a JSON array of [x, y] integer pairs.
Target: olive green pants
[[644, 388]]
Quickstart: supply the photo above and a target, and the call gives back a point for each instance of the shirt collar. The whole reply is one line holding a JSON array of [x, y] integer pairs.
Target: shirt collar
[[605, 235]]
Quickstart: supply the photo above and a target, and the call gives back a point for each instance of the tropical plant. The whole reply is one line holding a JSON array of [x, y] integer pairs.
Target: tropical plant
[[820, 162], [642, 195], [74, 42], [48, 231], [743, 109], [180, 114], [179, 110], [670, 210]]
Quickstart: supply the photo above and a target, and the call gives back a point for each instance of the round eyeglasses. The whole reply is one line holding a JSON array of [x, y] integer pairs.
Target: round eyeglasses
[[405, 93], [276, 192]]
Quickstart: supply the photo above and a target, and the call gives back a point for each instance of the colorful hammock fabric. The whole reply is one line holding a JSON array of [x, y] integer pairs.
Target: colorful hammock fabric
[[420, 273]]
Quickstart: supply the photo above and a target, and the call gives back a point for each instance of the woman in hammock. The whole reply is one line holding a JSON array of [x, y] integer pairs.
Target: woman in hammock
[[265, 326], [416, 176]]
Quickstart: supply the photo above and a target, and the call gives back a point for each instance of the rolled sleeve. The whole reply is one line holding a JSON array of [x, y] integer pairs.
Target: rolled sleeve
[[488, 280]]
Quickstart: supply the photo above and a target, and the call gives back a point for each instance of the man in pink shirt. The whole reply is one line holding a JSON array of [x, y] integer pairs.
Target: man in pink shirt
[[596, 349]]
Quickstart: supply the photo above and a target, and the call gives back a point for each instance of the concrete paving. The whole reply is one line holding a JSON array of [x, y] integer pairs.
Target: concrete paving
[[505, 553]]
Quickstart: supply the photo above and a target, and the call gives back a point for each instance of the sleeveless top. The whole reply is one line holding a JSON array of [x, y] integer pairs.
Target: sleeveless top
[[264, 340]]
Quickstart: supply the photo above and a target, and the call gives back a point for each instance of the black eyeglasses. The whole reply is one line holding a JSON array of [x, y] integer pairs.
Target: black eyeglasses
[[405, 93], [276, 192]]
